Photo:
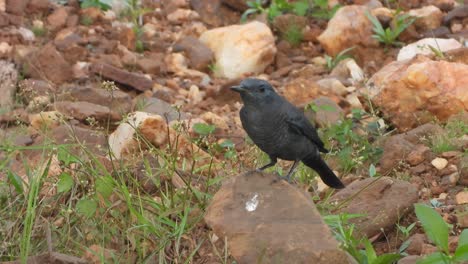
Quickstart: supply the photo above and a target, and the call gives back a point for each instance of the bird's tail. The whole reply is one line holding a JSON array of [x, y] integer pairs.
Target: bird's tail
[[326, 174]]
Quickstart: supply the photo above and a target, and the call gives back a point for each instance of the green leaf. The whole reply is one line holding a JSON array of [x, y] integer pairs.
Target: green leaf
[[65, 182], [105, 186], [227, 144], [66, 157], [86, 207], [247, 13], [461, 253], [203, 129], [434, 226], [434, 258], [300, 8], [370, 252], [16, 181], [372, 170], [463, 239], [387, 258]]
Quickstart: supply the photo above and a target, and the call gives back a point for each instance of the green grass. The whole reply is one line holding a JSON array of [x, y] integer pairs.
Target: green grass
[[293, 35], [389, 36]]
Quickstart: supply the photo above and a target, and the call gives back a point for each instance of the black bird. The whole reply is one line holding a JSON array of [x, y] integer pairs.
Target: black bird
[[282, 131]]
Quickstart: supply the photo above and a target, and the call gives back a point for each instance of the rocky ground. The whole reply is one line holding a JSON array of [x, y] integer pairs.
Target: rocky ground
[[118, 128]]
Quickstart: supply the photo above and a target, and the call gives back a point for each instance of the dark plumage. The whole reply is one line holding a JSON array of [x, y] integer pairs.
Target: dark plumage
[[282, 131]]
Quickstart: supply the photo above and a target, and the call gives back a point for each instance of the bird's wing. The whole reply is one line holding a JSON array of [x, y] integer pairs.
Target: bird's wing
[[299, 124]]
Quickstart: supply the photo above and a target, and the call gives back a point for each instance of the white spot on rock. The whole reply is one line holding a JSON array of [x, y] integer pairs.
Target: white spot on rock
[[251, 205]]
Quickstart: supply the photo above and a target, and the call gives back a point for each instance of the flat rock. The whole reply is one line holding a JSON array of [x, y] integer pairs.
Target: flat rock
[[383, 202], [135, 80], [8, 79], [272, 221], [49, 64], [423, 46], [81, 110], [116, 100], [439, 163], [326, 112], [214, 13], [462, 197]]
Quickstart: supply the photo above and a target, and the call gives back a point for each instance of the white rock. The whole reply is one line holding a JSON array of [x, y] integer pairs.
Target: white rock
[[357, 74], [354, 101], [462, 197], [27, 34], [122, 141], [423, 47], [439, 163], [194, 95], [38, 23], [241, 49], [2, 5]]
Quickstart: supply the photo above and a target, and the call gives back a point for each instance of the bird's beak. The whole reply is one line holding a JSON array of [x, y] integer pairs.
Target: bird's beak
[[238, 88]]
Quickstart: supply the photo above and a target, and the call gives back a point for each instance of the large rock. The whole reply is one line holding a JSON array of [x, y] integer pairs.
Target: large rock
[[423, 46], [241, 49], [214, 13], [413, 92], [270, 221], [135, 80], [348, 27], [50, 65], [16, 6], [160, 107], [383, 202], [8, 79]]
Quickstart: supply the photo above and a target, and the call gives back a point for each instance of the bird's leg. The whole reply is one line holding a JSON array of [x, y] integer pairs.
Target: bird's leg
[[291, 171], [273, 161]]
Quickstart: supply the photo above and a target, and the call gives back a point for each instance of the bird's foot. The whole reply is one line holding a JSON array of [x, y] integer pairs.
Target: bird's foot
[[286, 178]]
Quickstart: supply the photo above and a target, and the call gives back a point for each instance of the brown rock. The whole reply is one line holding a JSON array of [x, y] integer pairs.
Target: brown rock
[[8, 79], [213, 13], [16, 7], [463, 165], [152, 63], [239, 5], [416, 244], [397, 147], [127, 37], [84, 110], [255, 211], [301, 91], [134, 80], [418, 154], [412, 92], [462, 197], [37, 6], [48, 64], [116, 100], [28, 89], [58, 18], [347, 28], [409, 260], [427, 17], [383, 202], [326, 112], [198, 54]]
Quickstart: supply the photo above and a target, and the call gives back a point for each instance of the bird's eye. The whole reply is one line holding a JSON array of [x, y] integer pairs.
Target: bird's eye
[[262, 90]]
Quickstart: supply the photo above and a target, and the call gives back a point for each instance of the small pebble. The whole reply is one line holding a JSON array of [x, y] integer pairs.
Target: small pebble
[[439, 163], [462, 197]]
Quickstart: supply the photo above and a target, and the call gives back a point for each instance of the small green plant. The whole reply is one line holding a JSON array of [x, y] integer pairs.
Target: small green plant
[[101, 4], [438, 232], [349, 147], [344, 233], [86, 21], [276, 8], [321, 10], [332, 62], [293, 35], [39, 31], [405, 230], [389, 36]]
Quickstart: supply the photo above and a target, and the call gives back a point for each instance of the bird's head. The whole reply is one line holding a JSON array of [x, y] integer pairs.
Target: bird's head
[[255, 91]]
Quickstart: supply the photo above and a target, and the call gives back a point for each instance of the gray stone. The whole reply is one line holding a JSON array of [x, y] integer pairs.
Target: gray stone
[[8, 80]]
